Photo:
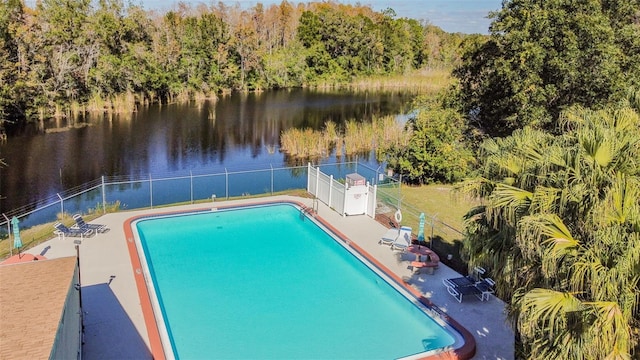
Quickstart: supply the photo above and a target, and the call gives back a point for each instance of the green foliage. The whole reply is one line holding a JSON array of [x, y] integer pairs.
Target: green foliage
[[343, 42], [543, 57], [82, 52], [441, 49], [10, 12], [285, 68], [436, 151], [559, 229]]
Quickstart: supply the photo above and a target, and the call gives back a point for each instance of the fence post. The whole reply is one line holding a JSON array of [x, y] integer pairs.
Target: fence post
[[308, 177], [61, 205], [318, 184], [433, 223], [9, 235], [151, 191], [375, 201], [330, 191], [226, 183], [271, 166], [191, 180], [104, 197], [399, 192], [344, 200]]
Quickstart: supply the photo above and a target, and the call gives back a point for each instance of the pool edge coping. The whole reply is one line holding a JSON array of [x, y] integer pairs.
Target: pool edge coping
[[466, 351]]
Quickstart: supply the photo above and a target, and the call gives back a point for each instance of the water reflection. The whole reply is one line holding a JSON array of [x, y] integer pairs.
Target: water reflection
[[235, 132]]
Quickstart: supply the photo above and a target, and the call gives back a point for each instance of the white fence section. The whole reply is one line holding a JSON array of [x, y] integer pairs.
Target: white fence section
[[372, 201], [344, 199], [337, 197]]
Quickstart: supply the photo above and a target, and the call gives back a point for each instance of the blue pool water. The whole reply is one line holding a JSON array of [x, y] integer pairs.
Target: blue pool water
[[265, 283]]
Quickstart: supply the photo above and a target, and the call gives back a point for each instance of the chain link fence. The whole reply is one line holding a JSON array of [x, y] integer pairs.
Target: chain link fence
[[120, 193], [444, 239]]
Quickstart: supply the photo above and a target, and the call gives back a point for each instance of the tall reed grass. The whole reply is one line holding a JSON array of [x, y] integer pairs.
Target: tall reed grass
[[358, 137], [118, 104], [124, 103], [304, 143], [382, 134], [419, 81], [76, 109]]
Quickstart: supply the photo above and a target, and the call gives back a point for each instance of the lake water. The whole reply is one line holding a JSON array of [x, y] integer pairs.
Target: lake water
[[236, 132]]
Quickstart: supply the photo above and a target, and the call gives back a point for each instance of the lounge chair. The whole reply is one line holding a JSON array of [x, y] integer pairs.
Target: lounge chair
[[471, 279], [460, 292], [469, 285], [62, 231], [81, 224], [486, 286], [477, 273], [389, 237], [461, 281], [403, 241]]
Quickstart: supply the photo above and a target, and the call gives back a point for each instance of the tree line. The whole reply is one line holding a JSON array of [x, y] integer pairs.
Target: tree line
[[541, 120], [69, 56], [549, 107], [543, 126]]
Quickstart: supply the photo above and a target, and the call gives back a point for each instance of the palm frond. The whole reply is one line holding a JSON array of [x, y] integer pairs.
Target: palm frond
[[621, 201], [565, 221], [558, 235], [476, 188], [611, 330], [509, 201], [544, 199], [548, 308], [604, 153]]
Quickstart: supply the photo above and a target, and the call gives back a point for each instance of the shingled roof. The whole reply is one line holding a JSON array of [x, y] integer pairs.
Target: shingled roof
[[32, 299]]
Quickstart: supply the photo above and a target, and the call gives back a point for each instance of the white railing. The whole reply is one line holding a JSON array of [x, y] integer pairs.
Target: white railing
[[340, 196]]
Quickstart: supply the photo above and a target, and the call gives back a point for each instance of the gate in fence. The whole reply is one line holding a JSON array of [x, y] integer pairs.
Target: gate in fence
[[354, 196]]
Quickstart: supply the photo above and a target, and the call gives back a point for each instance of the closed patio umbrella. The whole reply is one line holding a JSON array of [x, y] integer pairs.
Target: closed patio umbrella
[[17, 242], [421, 229]]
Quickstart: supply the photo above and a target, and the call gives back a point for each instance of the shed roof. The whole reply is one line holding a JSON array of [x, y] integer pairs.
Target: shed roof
[[32, 299]]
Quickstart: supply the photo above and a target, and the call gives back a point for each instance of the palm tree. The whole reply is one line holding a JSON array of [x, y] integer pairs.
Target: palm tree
[[560, 227]]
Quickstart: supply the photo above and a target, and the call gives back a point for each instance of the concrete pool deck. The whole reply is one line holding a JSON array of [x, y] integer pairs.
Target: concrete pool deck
[[115, 327]]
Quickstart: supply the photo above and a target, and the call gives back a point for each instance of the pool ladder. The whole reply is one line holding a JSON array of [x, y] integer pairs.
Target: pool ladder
[[313, 210]]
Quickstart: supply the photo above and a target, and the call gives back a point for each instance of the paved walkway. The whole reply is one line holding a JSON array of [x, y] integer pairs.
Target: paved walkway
[[115, 328]]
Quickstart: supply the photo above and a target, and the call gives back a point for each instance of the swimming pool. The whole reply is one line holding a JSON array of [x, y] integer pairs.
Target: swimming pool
[[266, 282]]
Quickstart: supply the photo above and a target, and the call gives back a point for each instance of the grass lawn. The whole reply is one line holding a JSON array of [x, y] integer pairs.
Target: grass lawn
[[442, 207], [439, 201]]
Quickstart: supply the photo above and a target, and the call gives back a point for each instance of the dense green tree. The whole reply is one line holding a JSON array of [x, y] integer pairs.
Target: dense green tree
[[439, 48], [10, 14], [400, 40], [624, 16], [118, 37], [333, 43], [544, 56], [342, 42], [112, 55], [202, 38], [68, 48], [559, 229], [437, 151], [285, 67], [246, 45]]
